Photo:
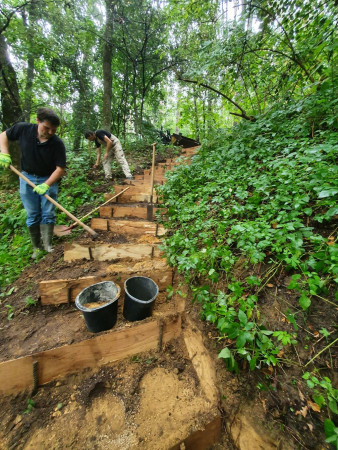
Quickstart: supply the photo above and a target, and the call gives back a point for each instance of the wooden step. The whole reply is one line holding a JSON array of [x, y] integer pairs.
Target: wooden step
[[17, 374], [138, 177], [139, 211], [133, 194], [129, 227], [142, 182], [157, 180], [158, 172], [110, 252], [56, 292]]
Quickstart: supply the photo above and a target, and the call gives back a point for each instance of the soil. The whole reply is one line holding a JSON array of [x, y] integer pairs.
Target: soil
[[154, 400], [136, 403]]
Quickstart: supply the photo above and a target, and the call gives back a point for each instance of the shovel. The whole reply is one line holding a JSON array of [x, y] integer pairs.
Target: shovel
[[90, 231]]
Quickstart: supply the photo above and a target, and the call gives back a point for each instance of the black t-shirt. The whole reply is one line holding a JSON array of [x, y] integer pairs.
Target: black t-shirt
[[100, 135], [37, 158]]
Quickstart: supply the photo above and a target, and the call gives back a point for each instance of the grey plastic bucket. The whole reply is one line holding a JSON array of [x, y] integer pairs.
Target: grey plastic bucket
[[102, 317], [139, 298]]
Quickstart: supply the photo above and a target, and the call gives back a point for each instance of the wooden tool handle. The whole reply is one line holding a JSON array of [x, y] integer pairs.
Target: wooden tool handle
[[152, 174], [95, 209], [75, 219]]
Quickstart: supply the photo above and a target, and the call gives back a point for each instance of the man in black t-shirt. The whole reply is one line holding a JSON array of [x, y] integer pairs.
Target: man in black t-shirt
[[113, 147], [43, 161]]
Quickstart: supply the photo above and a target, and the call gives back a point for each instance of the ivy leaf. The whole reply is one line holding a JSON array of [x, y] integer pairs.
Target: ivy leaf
[[242, 317], [333, 406], [329, 192], [304, 301], [242, 338], [225, 353]]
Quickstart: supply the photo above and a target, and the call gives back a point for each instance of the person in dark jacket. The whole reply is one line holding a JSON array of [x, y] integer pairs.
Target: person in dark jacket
[[113, 147], [43, 161]]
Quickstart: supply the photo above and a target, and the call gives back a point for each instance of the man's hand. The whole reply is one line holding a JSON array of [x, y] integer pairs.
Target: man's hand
[[5, 160], [41, 188]]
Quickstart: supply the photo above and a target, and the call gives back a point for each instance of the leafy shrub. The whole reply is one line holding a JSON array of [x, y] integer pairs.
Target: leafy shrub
[[260, 193]]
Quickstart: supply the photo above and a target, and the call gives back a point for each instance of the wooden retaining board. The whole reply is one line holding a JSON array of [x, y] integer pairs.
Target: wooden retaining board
[[108, 252], [57, 292], [158, 172], [138, 211], [141, 183], [159, 179], [130, 227], [17, 375], [136, 194]]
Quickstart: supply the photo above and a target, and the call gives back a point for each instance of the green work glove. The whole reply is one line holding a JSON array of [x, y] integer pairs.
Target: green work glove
[[41, 188], [5, 160]]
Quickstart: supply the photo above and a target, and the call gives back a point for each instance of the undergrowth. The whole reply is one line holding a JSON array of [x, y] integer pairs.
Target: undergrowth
[[15, 246], [263, 194]]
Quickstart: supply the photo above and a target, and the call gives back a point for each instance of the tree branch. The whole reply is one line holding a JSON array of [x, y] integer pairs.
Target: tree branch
[[243, 114]]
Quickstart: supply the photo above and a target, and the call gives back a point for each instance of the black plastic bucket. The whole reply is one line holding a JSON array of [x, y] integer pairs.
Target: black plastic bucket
[[139, 298], [102, 317]]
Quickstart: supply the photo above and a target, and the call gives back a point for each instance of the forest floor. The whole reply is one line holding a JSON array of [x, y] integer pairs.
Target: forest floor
[[129, 404]]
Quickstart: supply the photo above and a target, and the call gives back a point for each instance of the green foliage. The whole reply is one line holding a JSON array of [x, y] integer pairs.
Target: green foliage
[[259, 193], [10, 311], [30, 406], [331, 432], [323, 391], [30, 301], [15, 246]]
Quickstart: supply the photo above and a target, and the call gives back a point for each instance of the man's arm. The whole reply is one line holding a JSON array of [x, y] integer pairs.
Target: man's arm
[[55, 176], [4, 143], [98, 157], [109, 146]]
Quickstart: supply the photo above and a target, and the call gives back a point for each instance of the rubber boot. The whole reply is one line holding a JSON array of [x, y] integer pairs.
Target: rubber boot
[[47, 235], [34, 233]]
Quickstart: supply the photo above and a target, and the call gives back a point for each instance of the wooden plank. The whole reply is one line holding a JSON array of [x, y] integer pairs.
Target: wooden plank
[[158, 178], [129, 211], [136, 227], [130, 227], [137, 211], [106, 211], [136, 198], [157, 173], [75, 251], [144, 183], [99, 224], [108, 252], [17, 375], [134, 194], [55, 292], [156, 269]]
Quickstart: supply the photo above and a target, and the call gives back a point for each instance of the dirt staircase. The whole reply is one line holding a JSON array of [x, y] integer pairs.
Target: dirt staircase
[[194, 420]]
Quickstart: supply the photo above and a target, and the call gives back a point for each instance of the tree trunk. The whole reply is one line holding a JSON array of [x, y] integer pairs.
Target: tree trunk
[[83, 106], [11, 111], [197, 129], [107, 66], [30, 29], [136, 117]]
